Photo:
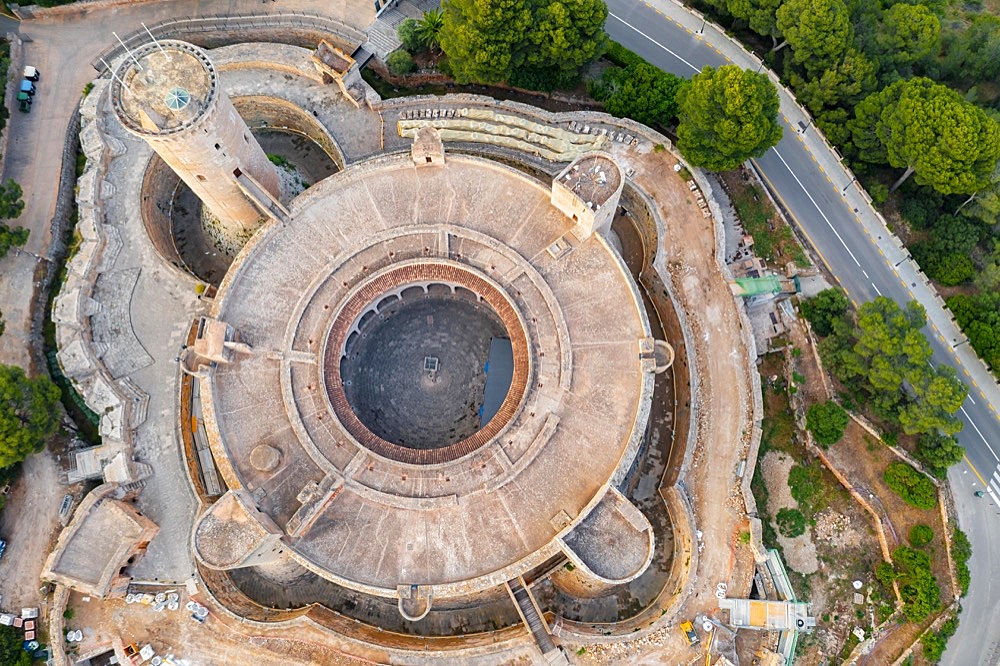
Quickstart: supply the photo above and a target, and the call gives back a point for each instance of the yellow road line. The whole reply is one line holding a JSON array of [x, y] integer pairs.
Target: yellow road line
[[796, 220], [974, 470]]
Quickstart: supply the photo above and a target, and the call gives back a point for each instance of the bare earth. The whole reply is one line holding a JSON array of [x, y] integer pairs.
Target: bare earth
[[30, 524]]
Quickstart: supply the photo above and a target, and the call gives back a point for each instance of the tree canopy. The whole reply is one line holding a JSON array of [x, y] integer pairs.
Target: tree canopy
[[827, 422], [885, 358], [11, 206], [727, 115], [819, 31], [938, 452], [11, 652], [759, 15], [929, 130], [564, 36], [29, 414], [539, 45], [641, 92], [825, 308], [482, 38], [908, 32]]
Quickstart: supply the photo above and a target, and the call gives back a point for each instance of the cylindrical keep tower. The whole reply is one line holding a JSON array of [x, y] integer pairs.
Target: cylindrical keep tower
[[168, 94]]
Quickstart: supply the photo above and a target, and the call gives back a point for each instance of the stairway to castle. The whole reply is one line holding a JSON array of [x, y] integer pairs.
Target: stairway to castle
[[531, 618]]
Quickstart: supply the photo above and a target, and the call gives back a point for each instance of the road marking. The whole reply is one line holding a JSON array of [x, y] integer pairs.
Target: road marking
[[866, 274], [825, 218], [970, 399], [626, 23], [876, 289], [973, 423]]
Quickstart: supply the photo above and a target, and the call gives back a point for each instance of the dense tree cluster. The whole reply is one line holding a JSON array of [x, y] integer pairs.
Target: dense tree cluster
[[531, 43], [727, 115], [885, 360], [907, 91], [29, 414]]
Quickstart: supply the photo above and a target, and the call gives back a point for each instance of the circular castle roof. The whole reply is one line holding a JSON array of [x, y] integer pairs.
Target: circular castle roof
[[378, 515]]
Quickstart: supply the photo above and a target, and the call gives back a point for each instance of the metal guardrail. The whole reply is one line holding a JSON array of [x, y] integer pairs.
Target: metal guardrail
[[187, 27]]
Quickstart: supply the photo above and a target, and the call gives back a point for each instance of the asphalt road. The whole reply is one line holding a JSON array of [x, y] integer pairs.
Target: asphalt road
[[822, 214]]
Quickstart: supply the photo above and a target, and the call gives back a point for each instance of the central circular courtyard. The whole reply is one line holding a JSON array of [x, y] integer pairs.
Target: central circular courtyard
[[417, 370]]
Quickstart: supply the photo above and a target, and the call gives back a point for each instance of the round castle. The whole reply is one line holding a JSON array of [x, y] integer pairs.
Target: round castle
[[427, 392]]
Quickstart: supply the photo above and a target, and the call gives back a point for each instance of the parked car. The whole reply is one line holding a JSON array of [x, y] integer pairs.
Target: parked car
[[24, 102], [27, 87], [31, 73], [3, 547]]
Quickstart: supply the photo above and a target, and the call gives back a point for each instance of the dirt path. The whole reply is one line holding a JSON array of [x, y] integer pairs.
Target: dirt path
[[29, 523]]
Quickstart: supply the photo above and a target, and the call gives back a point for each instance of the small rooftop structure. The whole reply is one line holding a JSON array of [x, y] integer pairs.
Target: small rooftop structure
[[104, 535], [768, 615], [335, 66], [427, 147], [587, 191], [228, 537]]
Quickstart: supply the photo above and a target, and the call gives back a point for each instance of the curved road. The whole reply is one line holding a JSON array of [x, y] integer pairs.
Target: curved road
[[829, 209]]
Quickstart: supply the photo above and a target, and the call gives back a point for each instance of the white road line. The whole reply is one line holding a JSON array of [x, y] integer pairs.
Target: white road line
[[970, 398], [866, 274], [877, 291], [820, 210], [973, 423], [624, 22]]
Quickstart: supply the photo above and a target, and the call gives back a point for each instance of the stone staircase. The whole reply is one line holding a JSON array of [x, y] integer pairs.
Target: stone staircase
[[382, 37], [529, 614]]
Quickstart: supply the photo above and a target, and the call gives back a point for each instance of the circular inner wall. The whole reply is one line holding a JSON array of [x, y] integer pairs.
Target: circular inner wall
[[406, 363], [417, 370]]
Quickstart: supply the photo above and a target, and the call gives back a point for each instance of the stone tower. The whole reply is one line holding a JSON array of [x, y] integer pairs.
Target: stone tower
[[169, 95]]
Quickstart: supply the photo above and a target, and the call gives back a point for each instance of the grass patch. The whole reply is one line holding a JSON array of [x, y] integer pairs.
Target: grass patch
[[773, 239]]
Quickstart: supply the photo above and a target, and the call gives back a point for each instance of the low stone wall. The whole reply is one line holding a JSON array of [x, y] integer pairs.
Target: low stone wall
[[120, 403], [159, 184], [264, 112]]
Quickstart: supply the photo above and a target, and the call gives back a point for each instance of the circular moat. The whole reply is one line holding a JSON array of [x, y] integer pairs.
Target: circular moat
[[417, 372], [301, 163]]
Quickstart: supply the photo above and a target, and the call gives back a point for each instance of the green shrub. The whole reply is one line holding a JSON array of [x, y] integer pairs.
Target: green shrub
[[408, 35], [885, 574], [915, 488], [917, 585], [621, 56], [804, 482], [823, 309], [827, 422], [791, 522], [400, 63], [961, 550], [934, 643], [921, 535]]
